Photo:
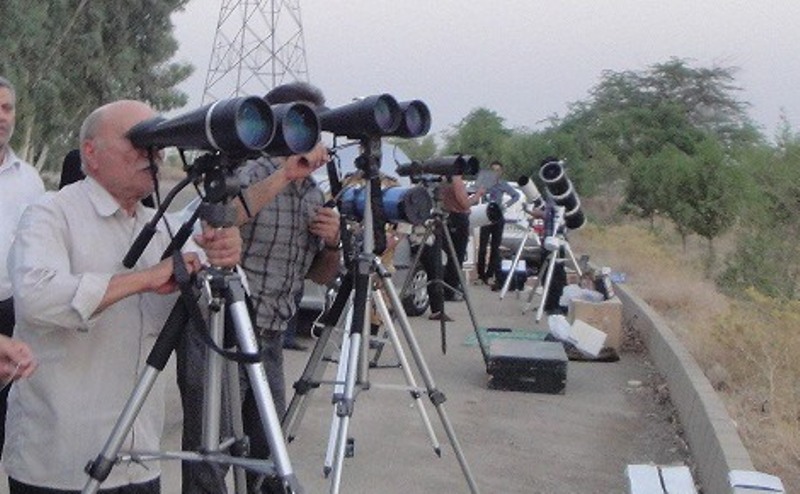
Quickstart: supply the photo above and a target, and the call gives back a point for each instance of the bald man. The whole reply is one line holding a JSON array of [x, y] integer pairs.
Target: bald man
[[90, 321]]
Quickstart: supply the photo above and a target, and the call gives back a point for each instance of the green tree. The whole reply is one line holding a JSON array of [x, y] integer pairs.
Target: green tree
[[419, 149], [481, 134], [638, 113], [67, 57]]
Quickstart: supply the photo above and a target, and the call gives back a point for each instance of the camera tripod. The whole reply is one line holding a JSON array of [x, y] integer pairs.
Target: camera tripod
[[224, 290], [436, 227], [517, 255], [559, 247], [351, 309]]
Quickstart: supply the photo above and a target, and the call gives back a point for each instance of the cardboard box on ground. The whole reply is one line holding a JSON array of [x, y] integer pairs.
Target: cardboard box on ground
[[605, 316]]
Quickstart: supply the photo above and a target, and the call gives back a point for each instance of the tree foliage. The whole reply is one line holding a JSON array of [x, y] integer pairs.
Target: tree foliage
[[67, 57], [670, 104], [481, 134]]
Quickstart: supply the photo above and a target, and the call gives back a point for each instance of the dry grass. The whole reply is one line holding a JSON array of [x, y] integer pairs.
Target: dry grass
[[749, 348]]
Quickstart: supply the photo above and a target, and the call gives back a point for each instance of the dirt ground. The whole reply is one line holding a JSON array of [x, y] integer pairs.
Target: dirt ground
[[610, 415]]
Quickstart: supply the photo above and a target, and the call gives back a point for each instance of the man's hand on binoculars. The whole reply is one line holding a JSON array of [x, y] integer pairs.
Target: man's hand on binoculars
[[302, 165]]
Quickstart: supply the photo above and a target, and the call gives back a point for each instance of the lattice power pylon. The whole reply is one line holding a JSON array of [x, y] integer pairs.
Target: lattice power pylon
[[257, 46]]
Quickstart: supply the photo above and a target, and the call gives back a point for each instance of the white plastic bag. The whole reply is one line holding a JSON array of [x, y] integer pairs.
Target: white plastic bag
[[559, 327]]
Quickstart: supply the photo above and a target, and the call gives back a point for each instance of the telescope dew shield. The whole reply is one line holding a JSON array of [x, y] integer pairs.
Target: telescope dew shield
[[574, 218], [554, 178], [531, 192], [562, 192], [416, 119], [485, 214], [446, 165], [377, 115], [296, 131], [234, 126], [408, 204]]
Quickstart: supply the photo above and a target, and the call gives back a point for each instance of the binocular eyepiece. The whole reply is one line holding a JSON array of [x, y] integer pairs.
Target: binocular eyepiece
[[243, 126], [377, 116], [560, 188], [447, 165]]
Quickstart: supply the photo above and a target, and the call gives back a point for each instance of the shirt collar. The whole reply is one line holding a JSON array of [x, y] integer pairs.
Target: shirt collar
[[10, 160], [104, 203]]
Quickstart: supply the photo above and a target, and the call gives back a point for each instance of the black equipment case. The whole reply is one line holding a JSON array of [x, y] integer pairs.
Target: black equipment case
[[527, 365]]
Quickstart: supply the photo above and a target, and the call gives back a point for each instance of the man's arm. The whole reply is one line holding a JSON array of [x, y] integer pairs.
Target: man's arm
[[325, 265], [295, 167], [259, 194], [508, 189]]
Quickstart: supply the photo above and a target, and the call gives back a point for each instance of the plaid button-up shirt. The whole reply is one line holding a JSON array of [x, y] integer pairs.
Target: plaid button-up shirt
[[278, 249]]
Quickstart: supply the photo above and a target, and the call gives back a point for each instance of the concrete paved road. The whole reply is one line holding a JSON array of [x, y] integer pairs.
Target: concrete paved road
[[514, 442]]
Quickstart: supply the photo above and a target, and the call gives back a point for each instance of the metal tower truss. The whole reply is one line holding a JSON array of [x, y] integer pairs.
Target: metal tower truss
[[257, 46]]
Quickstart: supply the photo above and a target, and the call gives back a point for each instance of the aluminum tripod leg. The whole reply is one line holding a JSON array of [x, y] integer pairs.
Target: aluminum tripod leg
[[548, 278], [260, 388], [410, 381], [513, 268], [344, 406], [436, 396], [338, 392]]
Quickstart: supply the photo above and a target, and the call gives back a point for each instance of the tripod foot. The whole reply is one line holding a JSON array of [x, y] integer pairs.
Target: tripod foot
[[326, 471], [438, 451]]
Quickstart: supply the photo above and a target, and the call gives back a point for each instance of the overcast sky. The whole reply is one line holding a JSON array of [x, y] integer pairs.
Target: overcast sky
[[524, 59]]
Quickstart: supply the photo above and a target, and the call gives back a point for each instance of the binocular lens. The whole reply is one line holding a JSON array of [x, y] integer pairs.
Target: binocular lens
[[253, 125], [300, 129], [386, 115]]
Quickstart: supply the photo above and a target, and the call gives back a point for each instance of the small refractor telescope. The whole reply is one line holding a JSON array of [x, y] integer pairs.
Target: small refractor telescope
[[241, 127], [377, 116], [401, 204], [560, 188]]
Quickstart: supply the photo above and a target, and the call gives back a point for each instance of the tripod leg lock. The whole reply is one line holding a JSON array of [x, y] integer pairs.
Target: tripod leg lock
[[345, 408], [437, 397], [240, 448], [303, 386], [99, 469]]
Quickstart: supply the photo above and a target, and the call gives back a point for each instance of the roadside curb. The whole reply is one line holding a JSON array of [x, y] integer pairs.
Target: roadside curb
[[711, 433]]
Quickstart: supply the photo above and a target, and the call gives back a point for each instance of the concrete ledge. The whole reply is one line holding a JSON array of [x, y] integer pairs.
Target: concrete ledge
[[712, 436]]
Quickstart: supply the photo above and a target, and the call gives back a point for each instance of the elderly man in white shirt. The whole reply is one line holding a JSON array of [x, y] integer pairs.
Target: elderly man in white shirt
[[20, 185], [90, 321]]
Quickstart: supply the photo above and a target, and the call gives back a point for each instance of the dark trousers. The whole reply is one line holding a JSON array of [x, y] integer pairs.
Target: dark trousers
[[196, 477], [152, 487], [434, 255], [490, 237], [458, 226], [272, 346], [6, 328]]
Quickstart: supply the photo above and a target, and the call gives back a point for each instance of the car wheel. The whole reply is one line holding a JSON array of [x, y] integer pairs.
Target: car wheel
[[416, 301]]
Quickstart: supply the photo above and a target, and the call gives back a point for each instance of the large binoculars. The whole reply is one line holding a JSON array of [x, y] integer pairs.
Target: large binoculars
[[243, 126], [447, 165], [377, 116], [560, 188]]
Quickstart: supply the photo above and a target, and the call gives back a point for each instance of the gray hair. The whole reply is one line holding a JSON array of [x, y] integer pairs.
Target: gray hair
[[7, 84], [89, 129]]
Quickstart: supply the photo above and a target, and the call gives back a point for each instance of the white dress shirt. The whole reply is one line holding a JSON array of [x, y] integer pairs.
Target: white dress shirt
[[68, 246], [20, 185]]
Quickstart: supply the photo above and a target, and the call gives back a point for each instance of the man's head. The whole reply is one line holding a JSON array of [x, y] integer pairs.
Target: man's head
[[8, 113], [302, 92], [496, 167], [297, 91], [108, 155]]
